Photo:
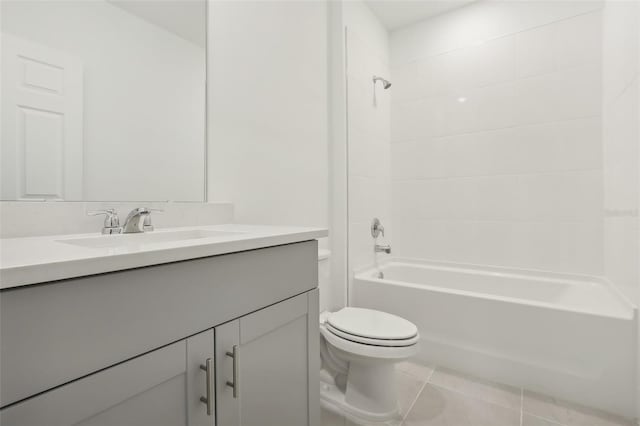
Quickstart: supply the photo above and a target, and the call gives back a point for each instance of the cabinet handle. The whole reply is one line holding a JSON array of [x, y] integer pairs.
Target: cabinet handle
[[207, 400], [236, 366]]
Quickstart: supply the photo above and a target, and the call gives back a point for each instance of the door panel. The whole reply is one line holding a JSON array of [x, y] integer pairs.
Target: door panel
[[273, 377], [277, 363], [80, 400], [42, 122], [266, 320], [162, 405]]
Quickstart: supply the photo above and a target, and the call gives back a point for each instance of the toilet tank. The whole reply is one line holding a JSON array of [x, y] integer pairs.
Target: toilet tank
[[324, 279]]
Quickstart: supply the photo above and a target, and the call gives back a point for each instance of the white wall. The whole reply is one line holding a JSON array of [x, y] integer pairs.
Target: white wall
[[369, 166], [268, 129], [496, 145], [268, 139], [143, 97], [338, 158]]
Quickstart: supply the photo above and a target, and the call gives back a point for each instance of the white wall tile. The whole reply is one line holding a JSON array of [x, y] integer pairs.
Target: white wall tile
[[578, 41], [567, 196], [417, 119], [369, 130], [621, 137], [563, 95], [547, 147], [621, 46], [368, 198], [621, 253], [480, 22], [482, 64], [496, 129], [621, 132], [534, 51], [561, 247]]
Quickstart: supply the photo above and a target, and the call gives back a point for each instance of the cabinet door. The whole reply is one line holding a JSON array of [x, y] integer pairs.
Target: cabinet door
[[274, 371], [160, 388]]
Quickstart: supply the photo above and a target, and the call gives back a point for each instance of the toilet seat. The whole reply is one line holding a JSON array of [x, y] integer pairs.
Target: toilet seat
[[369, 326], [351, 348], [372, 342], [371, 333]]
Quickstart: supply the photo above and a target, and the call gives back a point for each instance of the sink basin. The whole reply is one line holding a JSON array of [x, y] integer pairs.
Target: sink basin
[[146, 238]]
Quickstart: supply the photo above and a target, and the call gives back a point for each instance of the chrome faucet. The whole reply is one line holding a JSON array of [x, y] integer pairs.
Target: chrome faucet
[[379, 248], [376, 230], [111, 221], [138, 220]]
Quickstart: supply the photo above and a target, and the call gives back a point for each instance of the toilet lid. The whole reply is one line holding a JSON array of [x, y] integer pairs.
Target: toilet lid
[[372, 324]]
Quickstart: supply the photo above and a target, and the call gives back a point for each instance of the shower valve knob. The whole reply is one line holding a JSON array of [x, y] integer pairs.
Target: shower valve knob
[[376, 228]]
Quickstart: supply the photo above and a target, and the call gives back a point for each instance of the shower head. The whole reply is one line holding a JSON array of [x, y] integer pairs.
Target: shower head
[[385, 83]]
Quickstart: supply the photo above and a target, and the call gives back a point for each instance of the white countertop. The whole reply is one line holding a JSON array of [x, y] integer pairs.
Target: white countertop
[[32, 260]]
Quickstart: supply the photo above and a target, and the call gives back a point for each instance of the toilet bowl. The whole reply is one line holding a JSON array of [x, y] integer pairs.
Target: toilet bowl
[[359, 349]]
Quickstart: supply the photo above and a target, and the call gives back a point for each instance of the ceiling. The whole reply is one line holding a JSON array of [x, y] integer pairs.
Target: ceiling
[[397, 13], [184, 18]]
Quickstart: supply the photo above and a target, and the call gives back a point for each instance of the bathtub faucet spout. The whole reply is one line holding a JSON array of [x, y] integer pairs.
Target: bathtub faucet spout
[[383, 248]]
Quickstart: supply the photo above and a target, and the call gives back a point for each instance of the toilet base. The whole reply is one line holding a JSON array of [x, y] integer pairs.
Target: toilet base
[[335, 400]]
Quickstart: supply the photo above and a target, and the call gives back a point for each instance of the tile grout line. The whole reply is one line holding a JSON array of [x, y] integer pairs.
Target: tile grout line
[[474, 397], [553, 422], [521, 406], [424, 385], [535, 415], [554, 21], [422, 137], [492, 175]]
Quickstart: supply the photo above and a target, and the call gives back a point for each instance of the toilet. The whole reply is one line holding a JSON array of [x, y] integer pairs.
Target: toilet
[[359, 349]]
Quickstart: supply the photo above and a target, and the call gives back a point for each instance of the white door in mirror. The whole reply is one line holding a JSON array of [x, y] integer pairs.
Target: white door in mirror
[[41, 122]]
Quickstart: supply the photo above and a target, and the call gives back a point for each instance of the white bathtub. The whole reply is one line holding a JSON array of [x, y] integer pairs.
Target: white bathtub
[[570, 336]]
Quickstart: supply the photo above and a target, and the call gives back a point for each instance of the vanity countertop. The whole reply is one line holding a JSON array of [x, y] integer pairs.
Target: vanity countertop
[[33, 260]]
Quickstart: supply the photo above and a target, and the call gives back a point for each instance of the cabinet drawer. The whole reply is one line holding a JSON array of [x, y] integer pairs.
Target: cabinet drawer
[[54, 333]]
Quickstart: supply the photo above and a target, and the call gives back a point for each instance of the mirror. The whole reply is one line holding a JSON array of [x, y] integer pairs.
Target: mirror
[[103, 100]]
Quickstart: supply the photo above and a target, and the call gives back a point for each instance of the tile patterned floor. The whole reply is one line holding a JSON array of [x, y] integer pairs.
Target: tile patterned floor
[[442, 397]]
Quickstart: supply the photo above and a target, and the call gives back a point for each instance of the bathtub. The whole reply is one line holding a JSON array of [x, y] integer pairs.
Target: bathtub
[[569, 336]]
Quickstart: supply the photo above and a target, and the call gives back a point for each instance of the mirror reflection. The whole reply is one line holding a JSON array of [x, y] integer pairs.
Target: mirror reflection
[[103, 100]]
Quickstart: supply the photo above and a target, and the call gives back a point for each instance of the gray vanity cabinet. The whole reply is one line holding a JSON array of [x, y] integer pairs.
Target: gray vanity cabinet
[[126, 348], [162, 387], [267, 366], [257, 370]]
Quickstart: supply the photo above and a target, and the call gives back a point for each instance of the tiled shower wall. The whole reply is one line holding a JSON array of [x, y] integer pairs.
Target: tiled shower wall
[[496, 136], [368, 130], [621, 138], [621, 130]]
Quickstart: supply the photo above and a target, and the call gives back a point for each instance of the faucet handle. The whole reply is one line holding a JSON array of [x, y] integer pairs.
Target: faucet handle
[[376, 228], [147, 225], [111, 221], [99, 212]]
